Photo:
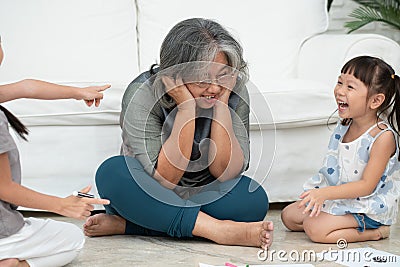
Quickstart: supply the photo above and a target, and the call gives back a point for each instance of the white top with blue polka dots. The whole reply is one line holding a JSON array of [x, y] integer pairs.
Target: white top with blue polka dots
[[345, 162]]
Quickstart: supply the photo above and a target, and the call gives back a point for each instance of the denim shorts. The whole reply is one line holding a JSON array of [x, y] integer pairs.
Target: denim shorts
[[365, 222]]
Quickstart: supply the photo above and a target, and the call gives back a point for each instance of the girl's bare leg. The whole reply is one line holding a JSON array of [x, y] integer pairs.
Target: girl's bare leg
[[13, 263], [293, 217], [327, 228]]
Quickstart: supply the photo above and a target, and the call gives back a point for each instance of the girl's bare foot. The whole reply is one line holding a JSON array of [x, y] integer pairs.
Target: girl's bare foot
[[384, 231], [13, 263], [104, 224]]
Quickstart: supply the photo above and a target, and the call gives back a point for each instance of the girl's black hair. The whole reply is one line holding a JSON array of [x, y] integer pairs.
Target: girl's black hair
[[15, 123], [380, 78]]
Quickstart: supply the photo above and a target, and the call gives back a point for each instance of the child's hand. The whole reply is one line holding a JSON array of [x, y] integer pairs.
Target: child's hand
[[92, 94], [80, 208], [315, 199]]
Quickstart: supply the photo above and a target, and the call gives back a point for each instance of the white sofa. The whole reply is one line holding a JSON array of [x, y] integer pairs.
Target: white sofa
[[293, 65]]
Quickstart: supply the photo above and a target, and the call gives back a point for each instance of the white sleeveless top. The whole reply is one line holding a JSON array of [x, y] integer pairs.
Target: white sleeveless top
[[345, 162]]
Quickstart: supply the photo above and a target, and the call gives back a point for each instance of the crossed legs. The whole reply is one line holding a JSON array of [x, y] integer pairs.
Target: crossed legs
[[133, 211]]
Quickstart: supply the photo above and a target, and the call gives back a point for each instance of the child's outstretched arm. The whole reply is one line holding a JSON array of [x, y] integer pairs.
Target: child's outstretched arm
[[382, 150], [19, 195], [37, 89]]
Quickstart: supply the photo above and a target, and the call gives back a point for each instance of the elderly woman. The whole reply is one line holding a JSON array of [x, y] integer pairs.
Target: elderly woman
[[185, 146]]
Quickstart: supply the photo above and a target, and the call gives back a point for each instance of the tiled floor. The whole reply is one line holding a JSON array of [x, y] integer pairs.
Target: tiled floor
[[151, 251]]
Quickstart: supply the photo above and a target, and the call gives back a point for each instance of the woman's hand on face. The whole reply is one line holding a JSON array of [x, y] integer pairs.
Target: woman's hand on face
[[176, 89], [224, 95], [227, 90]]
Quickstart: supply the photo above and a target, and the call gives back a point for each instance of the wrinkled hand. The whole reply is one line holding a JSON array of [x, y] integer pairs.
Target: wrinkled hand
[[80, 208], [315, 199], [178, 91], [92, 94], [224, 95], [227, 89]]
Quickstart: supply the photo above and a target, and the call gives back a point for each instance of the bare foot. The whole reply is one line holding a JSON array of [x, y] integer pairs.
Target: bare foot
[[253, 234], [12, 263], [384, 231], [104, 224], [267, 235]]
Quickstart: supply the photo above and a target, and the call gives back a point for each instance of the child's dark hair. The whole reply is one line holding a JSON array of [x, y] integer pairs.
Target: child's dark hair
[[15, 123], [380, 78]]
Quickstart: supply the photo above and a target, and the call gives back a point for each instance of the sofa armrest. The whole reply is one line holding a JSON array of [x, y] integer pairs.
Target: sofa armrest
[[321, 57]]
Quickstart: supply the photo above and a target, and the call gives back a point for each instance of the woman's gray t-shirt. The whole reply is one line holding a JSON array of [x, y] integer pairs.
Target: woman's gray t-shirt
[[11, 221]]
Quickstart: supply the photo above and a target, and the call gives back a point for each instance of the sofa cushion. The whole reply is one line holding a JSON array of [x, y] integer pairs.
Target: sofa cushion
[[290, 103], [268, 31], [283, 104], [69, 41]]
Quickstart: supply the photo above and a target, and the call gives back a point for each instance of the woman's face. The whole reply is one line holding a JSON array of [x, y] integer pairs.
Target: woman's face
[[209, 91]]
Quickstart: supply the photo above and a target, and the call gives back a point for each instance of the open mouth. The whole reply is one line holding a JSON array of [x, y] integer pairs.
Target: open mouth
[[342, 105]]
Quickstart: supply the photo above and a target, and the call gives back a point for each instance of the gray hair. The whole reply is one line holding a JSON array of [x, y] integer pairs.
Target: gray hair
[[199, 39]]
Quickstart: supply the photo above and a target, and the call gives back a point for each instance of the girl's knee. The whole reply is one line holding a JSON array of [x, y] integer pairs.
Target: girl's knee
[[314, 232], [288, 220], [285, 217]]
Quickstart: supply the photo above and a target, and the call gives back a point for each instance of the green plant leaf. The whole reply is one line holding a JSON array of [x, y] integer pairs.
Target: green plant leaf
[[368, 3], [385, 11]]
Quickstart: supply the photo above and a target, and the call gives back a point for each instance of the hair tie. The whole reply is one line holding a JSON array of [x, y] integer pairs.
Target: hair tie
[[393, 75]]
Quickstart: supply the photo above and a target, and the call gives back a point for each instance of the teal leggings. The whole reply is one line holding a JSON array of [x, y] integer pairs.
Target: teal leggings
[[122, 180]]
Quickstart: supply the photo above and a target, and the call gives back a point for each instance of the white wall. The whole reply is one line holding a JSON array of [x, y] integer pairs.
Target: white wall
[[339, 14]]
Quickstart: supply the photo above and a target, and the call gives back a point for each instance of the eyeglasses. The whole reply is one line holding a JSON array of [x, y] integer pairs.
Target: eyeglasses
[[223, 80]]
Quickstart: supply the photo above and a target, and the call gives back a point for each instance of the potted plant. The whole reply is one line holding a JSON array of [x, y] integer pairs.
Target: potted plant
[[385, 11]]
